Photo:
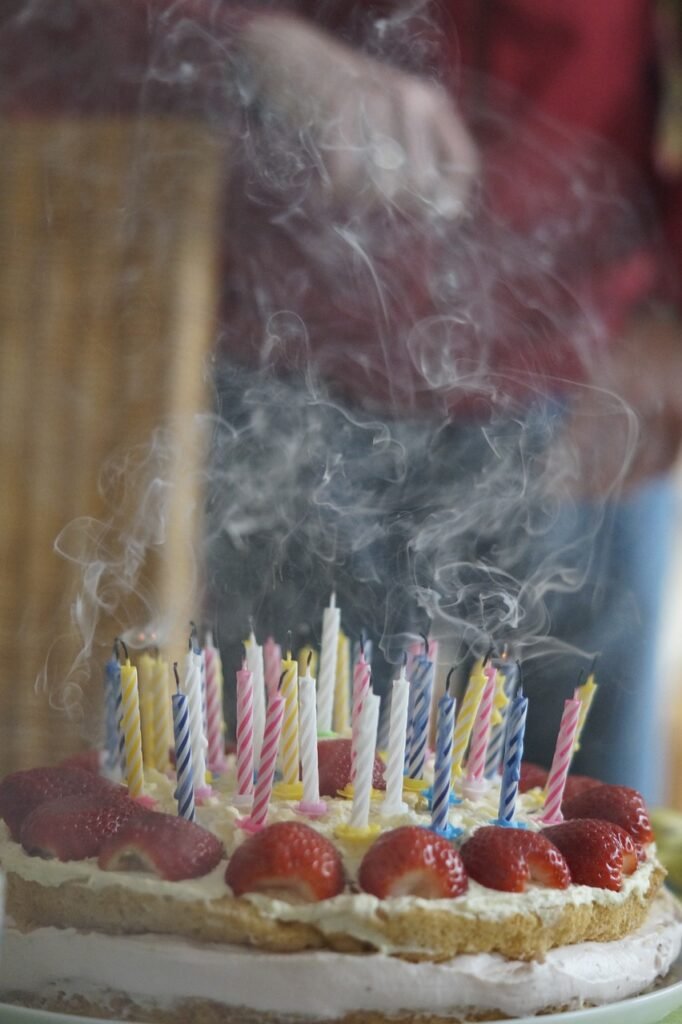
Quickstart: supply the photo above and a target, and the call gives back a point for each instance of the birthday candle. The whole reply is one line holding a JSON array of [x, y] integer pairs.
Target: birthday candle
[[481, 729], [145, 671], [361, 682], [511, 763], [442, 776], [192, 690], [289, 688], [112, 689], [369, 720], [307, 660], [413, 653], [422, 681], [466, 716], [244, 732], [561, 762], [342, 685], [184, 792], [215, 721], [254, 661], [331, 621], [130, 724], [266, 766], [504, 689], [162, 736], [272, 659], [393, 802], [311, 803], [585, 694]]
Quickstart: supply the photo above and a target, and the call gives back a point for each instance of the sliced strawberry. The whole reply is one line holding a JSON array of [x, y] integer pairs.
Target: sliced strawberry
[[164, 844], [532, 776], [22, 792], [508, 858], [619, 804], [75, 827], [412, 861], [289, 860], [577, 784], [334, 763], [598, 853]]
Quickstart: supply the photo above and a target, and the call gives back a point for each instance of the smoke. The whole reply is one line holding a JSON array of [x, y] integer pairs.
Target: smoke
[[395, 371]]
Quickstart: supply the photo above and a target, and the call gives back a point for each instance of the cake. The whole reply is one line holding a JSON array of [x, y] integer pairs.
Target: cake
[[150, 917]]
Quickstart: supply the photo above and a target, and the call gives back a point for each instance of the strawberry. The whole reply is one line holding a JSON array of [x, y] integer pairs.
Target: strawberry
[[22, 792], [577, 784], [287, 859], [88, 760], [165, 844], [598, 853], [508, 858], [75, 827], [412, 861], [532, 776], [334, 763], [619, 804]]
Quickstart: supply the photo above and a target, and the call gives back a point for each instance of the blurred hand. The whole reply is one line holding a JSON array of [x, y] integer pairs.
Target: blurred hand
[[626, 425], [378, 134]]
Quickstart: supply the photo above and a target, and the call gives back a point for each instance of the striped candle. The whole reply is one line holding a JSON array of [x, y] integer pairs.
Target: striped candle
[[561, 762], [131, 726], [422, 682], [244, 734], [362, 675], [466, 716], [507, 675], [311, 803], [184, 791], [215, 720], [162, 735], [442, 774], [331, 623], [112, 690], [266, 766], [254, 661], [511, 764], [342, 685], [393, 802], [272, 662], [145, 673], [290, 745], [367, 734], [475, 778], [414, 651], [192, 689]]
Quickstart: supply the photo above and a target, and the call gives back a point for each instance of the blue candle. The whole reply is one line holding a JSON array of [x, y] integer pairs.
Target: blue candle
[[493, 758], [184, 792], [513, 752], [112, 700], [442, 779], [422, 682]]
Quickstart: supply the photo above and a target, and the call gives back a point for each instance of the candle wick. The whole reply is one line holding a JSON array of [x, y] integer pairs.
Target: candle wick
[[581, 677], [125, 648], [177, 677], [594, 662], [281, 680], [404, 659], [310, 658], [447, 681], [425, 638]]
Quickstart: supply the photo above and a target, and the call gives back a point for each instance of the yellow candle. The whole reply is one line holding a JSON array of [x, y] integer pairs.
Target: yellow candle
[[467, 715], [163, 721], [500, 700], [585, 694], [145, 687], [132, 732], [304, 667], [342, 685]]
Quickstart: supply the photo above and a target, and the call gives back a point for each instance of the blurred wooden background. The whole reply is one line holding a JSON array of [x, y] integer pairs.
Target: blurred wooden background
[[107, 299]]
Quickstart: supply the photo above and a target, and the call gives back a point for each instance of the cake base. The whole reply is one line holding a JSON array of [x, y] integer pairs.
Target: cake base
[[168, 980]]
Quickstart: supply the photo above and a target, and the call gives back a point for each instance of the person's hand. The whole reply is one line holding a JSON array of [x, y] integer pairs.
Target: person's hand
[[625, 425], [377, 134]]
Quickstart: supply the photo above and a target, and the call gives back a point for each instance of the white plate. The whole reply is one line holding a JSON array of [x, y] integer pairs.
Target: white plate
[[650, 1008]]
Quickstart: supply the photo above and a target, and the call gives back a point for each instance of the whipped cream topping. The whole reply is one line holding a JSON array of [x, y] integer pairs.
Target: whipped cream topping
[[325, 985]]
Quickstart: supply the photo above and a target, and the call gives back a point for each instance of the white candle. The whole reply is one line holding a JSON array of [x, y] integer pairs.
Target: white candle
[[331, 621], [364, 767], [400, 695], [311, 803], [254, 662], [192, 689]]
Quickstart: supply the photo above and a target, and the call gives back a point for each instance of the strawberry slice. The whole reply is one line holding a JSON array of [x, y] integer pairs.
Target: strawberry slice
[[288, 860], [619, 804], [532, 776], [22, 792], [75, 827], [598, 853], [508, 858], [412, 861], [164, 844], [334, 765]]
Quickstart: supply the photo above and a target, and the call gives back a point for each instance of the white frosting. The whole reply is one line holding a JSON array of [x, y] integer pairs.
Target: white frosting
[[325, 985]]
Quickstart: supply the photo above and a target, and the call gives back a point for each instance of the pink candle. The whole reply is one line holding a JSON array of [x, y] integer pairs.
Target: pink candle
[[215, 722], [244, 735], [266, 768], [561, 762], [272, 660], [475, 773], [361, 681]]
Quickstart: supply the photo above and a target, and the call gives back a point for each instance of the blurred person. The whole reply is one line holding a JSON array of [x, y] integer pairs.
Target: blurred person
[[377, 146]]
